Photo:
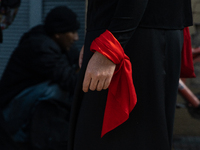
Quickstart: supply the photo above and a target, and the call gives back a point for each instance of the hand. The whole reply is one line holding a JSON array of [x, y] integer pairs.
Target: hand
[[99, 73], [81, 56]]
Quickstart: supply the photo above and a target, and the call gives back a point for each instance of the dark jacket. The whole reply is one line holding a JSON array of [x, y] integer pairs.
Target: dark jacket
[[37, 59], [122, 17]]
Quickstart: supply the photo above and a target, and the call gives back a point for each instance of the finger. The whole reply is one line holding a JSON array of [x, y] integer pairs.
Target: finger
[[100, 85], [86, 82], [107, 83], [80, 61], [93, 84], [81, 56]]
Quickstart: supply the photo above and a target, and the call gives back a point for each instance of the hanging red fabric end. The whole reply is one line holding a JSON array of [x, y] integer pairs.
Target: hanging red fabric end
[[187, 67], [121, 97]]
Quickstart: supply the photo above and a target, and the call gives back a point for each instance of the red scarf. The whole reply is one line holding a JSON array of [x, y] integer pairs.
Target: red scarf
[[121, 97]]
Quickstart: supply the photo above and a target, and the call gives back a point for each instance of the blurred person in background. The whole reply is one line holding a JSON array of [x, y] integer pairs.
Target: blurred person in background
[[37, 86], [8, 11]]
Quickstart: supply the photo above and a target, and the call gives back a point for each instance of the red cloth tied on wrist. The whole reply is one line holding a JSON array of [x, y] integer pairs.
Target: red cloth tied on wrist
[[121, 97], [187, 67]]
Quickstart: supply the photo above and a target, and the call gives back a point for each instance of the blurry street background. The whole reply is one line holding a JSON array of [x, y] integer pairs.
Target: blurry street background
[[187, 129]]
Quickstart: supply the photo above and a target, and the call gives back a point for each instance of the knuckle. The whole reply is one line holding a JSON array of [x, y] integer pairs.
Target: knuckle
[[85, 87], [85, 90], [99, 88], [105, 87], [92, 88], [97, 75]]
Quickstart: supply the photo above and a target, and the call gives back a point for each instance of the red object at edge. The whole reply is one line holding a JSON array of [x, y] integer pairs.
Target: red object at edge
[[121, 97], [187, 67]]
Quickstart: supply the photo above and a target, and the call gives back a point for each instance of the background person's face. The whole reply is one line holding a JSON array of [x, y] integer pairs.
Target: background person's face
[[66, 40]]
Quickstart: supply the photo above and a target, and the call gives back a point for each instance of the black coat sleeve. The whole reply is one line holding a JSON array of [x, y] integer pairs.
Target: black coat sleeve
[[50, 63], [126, 19]]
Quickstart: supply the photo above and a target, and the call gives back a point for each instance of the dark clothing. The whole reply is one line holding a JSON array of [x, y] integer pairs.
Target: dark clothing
[[122, 17], [6, 142], [36, 91], [11, 3], [36, 59], [38, 117], [155, 77], [151, 35]]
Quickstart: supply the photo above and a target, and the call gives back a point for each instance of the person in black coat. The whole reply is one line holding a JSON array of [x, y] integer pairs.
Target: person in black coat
[[37, 86], [151, 34]]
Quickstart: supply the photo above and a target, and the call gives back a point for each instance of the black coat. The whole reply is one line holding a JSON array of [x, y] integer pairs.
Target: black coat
[[37, 59], [150, 31], [122, 17]]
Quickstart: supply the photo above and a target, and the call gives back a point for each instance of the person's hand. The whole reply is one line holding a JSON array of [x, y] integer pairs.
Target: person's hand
[[99, 73], [81, 56]]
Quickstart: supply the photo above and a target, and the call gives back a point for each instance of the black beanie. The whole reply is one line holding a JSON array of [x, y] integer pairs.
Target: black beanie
[[61, 20]]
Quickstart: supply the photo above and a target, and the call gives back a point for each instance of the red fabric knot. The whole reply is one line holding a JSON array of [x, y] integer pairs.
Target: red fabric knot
[[121, 97]]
